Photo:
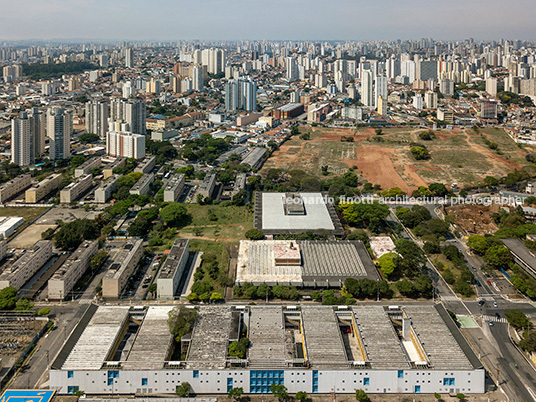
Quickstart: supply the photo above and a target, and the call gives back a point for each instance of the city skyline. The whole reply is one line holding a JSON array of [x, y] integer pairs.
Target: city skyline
[[251, 19]]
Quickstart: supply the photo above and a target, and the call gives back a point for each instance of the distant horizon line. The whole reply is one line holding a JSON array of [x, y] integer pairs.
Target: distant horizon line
[[153, 40]]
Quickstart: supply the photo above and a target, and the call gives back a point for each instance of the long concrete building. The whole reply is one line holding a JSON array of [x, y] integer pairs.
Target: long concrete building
[[143, 185], [146, 165], [26, 266], [75, 189], [87, 167], [170, 274], [104, 192], [64, 279], [206, 188], [120, 267], [174, 188], [14, 187], [312, 348], [43, 188], [108, 170]]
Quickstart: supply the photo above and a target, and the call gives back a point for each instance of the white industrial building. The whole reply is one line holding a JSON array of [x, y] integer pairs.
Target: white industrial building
[[9, 225], [318, 349]]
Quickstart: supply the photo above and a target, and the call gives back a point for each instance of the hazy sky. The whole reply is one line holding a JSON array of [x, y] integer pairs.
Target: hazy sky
[[267, 19]]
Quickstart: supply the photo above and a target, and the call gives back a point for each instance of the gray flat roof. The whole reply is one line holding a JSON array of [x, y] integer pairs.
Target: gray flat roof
[[180, 246], [210, 338], [152, 341], [118, 262], [322, 336], [174, 182], [267, 337], [149, 177], [381, 343], [316, 213], [438, 342], [95, 343], [325, 259], [442, 343]]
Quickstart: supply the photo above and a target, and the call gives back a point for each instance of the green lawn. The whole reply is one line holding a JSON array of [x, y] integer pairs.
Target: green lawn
[[218, 223], [27, 213]]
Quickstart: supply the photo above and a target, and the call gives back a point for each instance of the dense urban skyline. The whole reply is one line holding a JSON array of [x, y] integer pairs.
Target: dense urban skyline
[[251, 19]]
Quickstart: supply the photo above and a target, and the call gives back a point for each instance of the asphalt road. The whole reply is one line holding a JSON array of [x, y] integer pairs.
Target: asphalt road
[[505, 363], [36, 373]]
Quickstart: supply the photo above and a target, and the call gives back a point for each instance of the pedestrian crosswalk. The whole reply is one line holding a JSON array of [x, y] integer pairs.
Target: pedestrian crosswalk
[[494, 319]]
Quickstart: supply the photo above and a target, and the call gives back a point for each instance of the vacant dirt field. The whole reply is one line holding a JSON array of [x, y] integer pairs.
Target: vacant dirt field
[[29, 236], [457, 156]]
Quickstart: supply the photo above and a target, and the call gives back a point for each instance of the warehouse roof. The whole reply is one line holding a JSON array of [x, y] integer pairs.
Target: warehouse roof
[[274, 261], [150, 349], [378, 335], [90, 352]]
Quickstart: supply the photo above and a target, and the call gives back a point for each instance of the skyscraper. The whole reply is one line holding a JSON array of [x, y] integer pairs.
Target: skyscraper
[[366, 88], [197, 78], [38, 124], [131, 111], [491, 86], [381, 88], [21, 140], [292, 69], [241, 94], [129, 58], [59, 130], [248, 92], [97, 114]]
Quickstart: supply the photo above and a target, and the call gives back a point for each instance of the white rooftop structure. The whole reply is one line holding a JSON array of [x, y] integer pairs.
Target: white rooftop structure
[[382, 245], [316, 213]]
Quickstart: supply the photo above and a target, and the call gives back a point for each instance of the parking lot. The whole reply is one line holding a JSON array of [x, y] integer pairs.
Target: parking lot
[[65, 215]]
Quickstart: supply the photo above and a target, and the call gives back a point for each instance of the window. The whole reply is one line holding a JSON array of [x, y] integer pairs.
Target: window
[[400, 373], [72, 389], [143, 382], [113, 374], [70, 374], [196, 373], [449, 381], [366, 381], [417, 389]]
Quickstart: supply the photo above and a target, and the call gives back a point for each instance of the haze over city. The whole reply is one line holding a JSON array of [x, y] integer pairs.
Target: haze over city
[[267, 201], [272, 20]]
